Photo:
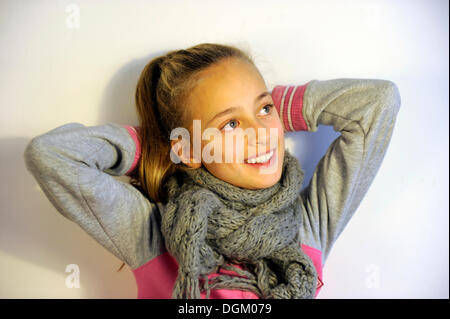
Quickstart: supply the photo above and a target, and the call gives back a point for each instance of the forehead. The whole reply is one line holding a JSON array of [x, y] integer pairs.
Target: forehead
[[227, 73], [231, 82]]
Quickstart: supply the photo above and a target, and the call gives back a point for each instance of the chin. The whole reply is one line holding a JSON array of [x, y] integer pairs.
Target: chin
[[268, 182]]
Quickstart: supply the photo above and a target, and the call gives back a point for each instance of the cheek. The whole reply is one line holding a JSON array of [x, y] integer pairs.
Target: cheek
[[278, 124], [233, 147], [277, 130], [223, 150]]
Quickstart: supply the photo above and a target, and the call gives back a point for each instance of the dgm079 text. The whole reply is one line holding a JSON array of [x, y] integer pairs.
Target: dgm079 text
[[246, 308]]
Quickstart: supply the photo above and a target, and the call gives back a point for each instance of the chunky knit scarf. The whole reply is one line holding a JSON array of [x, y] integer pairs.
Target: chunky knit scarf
[[209, 223]]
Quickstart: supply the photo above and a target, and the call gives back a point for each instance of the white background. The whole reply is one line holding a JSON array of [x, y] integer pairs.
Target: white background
[[62, 63]]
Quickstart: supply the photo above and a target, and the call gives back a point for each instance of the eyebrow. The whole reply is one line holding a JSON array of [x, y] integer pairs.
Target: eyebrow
[[234, 108]]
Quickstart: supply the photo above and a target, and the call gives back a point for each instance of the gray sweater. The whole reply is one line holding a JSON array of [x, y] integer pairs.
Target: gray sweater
[[75, 164]]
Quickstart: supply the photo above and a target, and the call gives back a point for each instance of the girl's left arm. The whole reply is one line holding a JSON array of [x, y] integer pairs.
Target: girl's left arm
[[364, 112]]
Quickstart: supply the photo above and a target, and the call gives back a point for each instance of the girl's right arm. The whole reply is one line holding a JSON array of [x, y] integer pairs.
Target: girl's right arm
[[74, 165]]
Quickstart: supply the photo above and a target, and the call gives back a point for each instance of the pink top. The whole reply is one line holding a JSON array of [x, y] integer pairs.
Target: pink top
[[156, 278]]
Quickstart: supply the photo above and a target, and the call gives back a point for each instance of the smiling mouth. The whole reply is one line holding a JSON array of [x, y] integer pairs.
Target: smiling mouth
[[261, 159]]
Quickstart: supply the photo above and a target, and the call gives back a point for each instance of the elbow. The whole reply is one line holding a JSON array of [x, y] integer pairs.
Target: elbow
[[34, 153], [391, 95]]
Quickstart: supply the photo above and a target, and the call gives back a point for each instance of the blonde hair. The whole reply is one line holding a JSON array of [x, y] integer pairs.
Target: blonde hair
[[162, 104]]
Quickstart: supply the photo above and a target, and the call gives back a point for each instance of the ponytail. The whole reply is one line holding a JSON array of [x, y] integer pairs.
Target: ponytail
[[155, 164]]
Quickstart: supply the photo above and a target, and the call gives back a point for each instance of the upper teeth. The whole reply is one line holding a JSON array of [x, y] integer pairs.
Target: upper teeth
[[262, 158]]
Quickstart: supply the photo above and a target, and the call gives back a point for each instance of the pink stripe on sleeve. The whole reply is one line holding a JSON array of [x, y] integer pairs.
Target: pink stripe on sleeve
[[285, 108], [292, 117], [133, 130]]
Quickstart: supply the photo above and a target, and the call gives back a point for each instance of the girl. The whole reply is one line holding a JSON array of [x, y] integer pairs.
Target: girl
[[197, 229]]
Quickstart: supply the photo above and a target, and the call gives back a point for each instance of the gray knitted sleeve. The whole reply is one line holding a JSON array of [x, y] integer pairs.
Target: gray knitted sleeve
[[74, 165], [364, 111]]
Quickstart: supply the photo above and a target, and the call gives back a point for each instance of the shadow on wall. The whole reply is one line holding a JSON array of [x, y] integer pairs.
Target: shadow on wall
[[33, 231], [118, 104], [30, 229]]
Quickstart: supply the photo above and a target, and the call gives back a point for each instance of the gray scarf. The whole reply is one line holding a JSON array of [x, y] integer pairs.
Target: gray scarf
[[209, 223]]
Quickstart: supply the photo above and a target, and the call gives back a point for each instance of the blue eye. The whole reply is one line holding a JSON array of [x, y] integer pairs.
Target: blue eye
[[232, 121], [270, 106]]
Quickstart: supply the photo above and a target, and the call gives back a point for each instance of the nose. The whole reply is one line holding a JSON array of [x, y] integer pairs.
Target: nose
[[262, 136]]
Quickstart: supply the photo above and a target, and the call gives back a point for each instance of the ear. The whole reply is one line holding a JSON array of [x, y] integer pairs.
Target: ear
[[180, 150]]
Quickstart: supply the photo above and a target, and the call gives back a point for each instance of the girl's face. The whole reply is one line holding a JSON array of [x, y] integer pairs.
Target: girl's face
[[233, 83]]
